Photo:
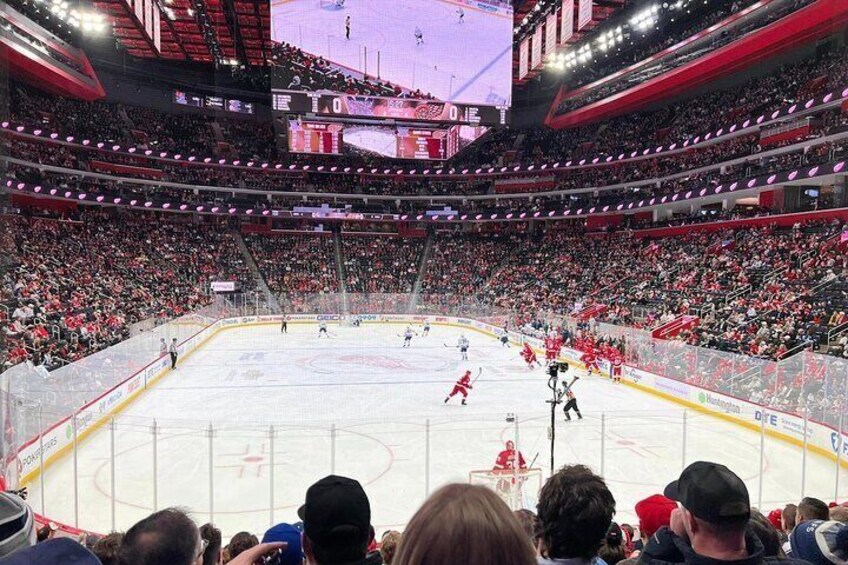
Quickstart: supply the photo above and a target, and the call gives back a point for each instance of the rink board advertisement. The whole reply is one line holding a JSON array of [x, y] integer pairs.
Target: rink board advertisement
[[754, 416], [61, 436], [458, 51]]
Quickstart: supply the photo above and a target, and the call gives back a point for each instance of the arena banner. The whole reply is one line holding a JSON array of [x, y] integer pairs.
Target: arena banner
[[584, 14], [567, 28], [536, 51], [550, 35], [791, 427], [523, 57]]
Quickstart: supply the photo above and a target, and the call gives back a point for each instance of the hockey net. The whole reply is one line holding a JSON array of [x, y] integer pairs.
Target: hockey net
[[518, 489]]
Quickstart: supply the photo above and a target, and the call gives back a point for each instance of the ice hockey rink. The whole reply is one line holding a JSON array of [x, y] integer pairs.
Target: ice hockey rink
[[461, 62], [359, 404]]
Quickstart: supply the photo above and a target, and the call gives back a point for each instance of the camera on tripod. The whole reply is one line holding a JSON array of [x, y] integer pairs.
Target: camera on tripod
[[557, 367]]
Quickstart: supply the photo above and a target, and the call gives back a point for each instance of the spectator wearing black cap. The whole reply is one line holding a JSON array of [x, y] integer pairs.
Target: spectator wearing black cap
[[711, 525], [575, 510], [337, 523]]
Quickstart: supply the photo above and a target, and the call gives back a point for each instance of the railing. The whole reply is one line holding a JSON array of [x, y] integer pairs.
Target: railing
[[734, 294], [836, 331], [774, 274], [804, 257]]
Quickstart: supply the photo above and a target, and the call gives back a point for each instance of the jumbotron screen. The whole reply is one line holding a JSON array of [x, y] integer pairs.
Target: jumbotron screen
[[433, 60], [396, 142]]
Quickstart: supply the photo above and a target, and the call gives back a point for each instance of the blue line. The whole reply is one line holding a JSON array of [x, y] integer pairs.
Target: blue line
[[474, 78]]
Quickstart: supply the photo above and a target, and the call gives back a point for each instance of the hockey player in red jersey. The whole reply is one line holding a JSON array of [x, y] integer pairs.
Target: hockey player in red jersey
[[529, 356], [506, 459], [462, 386], [505, 463], [616, 362], [552, 346], [590, 360]]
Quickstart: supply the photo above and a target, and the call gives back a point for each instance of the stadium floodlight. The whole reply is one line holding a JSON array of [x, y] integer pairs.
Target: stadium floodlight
[[645, 19]]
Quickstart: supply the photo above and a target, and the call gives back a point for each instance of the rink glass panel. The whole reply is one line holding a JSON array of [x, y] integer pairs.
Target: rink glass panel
[[126, 477]]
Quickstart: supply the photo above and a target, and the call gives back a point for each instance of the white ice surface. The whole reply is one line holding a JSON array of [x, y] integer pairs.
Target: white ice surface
[[380, 398], [468, 62]]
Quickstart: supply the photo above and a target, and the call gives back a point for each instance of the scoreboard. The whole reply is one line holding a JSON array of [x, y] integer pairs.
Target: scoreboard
[[416, 143], [355, 106], [316, 137]]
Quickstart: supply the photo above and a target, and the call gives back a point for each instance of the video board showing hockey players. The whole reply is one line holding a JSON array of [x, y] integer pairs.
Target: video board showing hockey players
[[457, 51]]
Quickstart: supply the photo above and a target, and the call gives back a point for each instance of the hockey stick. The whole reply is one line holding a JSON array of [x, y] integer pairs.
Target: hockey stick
[[479, 372], [533, 462], [446, 345]]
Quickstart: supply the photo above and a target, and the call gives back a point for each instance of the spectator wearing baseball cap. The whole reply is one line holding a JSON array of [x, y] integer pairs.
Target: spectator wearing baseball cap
[[653, 512], [291, 536], [711, 525], [337, 523]]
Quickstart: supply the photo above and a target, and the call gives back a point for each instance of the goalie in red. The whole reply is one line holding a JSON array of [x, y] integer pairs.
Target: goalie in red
[[504, 469], [529, 356], [462, 386], [506, 459]]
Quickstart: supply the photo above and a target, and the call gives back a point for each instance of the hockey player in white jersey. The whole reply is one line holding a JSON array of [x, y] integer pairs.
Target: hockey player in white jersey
[[462, 343]]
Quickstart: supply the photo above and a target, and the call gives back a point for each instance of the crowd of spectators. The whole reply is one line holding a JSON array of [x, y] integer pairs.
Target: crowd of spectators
[[74, 285], [385, 265], [703, 517], [296, 264]]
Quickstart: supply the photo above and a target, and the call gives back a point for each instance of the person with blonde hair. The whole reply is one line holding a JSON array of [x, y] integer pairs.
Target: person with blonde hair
[[466, 524], [389, 545]]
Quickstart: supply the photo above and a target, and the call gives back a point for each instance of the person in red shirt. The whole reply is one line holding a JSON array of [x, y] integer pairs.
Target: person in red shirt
[[462, 386]]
